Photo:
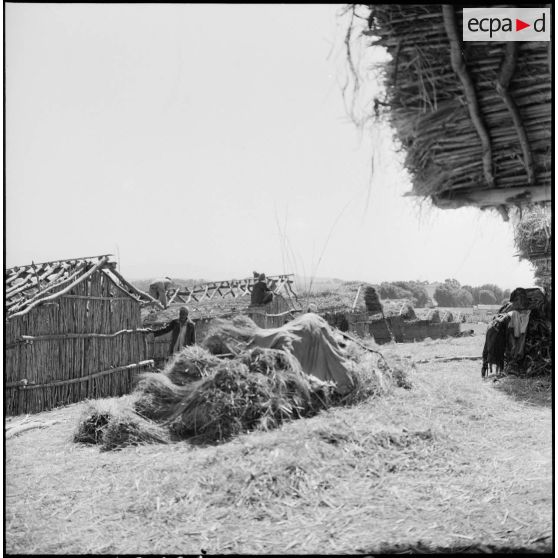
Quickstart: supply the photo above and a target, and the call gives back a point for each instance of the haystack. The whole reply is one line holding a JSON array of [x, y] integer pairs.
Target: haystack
[[206, 399]]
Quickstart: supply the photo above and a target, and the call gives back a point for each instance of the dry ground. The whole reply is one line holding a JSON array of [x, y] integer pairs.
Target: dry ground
[[454, 463]]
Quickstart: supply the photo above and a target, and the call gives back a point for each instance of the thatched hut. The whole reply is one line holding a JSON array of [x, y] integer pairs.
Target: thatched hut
[[222, 299], [73, 331]]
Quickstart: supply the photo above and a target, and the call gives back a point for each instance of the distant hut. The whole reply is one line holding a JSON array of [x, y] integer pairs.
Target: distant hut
[[73, 331]]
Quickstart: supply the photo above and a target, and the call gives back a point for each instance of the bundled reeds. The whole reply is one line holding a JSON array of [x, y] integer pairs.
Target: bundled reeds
[[533, 239], [474, 118]]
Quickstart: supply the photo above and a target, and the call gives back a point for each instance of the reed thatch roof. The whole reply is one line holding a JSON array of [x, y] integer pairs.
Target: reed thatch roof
[[31, 285], [474, 118]]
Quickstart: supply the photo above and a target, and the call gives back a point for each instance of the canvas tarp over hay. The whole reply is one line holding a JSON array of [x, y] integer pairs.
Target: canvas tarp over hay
[[314, 347], [474, 118], [205, 396]]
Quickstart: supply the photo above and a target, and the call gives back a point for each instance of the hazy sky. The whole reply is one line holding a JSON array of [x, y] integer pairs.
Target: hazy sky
[[212, 140]]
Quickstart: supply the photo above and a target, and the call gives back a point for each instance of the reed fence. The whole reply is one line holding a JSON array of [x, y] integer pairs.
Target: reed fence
[[86, 343]]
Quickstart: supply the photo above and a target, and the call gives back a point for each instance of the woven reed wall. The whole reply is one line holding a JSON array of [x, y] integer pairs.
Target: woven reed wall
[[52, 368]]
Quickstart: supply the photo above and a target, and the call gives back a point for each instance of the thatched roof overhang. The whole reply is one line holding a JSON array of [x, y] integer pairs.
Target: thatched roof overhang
[[474, 118]]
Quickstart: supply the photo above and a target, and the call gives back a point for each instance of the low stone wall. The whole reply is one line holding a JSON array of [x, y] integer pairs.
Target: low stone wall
[[408, 331]]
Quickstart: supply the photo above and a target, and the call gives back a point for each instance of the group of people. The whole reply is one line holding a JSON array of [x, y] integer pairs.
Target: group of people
[[183, 328]]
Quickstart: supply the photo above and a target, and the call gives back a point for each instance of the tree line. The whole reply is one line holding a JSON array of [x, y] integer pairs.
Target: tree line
[[449, 293]]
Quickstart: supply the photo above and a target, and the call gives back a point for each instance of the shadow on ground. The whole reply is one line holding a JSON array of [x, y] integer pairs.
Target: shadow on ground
[[533, 391], [538, 549]]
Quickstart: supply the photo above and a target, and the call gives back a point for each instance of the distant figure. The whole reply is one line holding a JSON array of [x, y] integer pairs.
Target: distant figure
[[183, 331], [158, 289], [261, 293], [312, 308], [256, 275]]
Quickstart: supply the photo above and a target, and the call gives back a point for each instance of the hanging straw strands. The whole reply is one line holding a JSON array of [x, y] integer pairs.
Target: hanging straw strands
[[83, 340], [472, 117]]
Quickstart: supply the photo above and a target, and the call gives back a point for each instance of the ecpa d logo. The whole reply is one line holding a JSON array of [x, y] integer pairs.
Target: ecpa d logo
[[506, 24]]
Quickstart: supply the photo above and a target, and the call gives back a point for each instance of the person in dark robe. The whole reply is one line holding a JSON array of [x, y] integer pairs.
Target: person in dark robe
[[261, 293], [183, 331]]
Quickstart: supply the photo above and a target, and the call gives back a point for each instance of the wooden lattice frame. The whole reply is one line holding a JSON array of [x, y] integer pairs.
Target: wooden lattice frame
[[233, 288]]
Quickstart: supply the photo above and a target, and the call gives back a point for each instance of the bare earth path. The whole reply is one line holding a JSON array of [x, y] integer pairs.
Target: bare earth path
[[453, 463]]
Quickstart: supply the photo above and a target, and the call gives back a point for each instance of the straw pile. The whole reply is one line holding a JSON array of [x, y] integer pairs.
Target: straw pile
[[473, 118], [259, 388], [113, 424], [206, 399]]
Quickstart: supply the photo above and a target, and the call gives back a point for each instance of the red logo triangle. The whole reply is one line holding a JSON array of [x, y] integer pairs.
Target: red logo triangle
[[519, 25]]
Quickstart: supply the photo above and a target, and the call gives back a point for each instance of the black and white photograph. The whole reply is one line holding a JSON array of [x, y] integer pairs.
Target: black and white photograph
[[278, 279]]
